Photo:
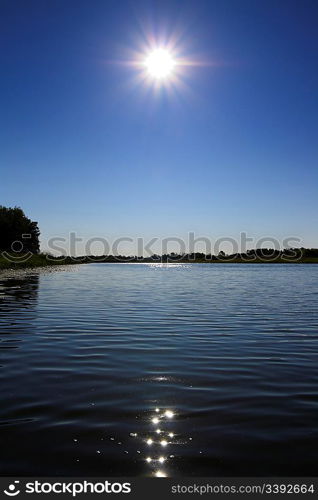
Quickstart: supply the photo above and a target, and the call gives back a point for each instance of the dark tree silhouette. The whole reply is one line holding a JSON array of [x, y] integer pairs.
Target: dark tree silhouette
[[17, 232]]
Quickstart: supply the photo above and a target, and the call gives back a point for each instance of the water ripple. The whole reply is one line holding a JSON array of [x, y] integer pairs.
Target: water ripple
[[91, 357]]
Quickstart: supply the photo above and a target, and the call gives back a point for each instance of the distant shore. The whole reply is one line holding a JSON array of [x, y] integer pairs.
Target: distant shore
[[44, 260]]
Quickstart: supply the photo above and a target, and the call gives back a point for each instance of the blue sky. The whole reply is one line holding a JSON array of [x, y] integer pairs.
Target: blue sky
[[86, 147]]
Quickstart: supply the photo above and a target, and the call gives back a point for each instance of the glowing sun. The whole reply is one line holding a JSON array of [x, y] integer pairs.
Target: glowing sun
[[160, 63]]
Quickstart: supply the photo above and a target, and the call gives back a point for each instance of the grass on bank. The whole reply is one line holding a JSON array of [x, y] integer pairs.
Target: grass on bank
[[36, 260]]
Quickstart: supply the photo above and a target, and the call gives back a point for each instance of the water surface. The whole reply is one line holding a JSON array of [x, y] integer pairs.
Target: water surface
[[179, 370]]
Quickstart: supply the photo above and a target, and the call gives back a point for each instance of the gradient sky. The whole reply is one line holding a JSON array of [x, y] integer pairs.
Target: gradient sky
[[85, 146]]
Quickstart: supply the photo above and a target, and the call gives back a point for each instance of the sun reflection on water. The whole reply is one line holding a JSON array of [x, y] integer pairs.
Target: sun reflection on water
[[158, 438], [164, 416], [159, 473]]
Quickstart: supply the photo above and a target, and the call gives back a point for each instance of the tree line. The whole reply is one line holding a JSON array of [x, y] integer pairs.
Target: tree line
[[18, 233]]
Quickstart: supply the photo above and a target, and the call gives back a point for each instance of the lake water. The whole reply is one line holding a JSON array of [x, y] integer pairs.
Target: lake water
[[177, 370]]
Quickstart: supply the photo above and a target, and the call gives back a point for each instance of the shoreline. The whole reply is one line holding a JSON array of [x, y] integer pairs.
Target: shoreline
[[50, 266]]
